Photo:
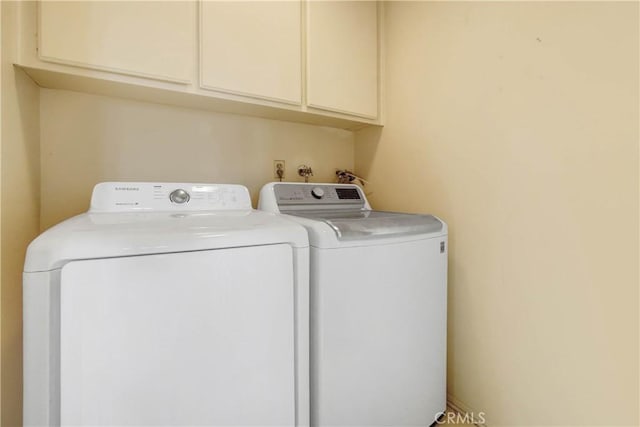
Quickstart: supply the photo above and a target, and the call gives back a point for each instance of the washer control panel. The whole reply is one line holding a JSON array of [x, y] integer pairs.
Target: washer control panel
[[164, 196], [307, 195]]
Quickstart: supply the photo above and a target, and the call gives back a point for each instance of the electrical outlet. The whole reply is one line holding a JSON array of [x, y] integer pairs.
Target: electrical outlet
[[278, 169]]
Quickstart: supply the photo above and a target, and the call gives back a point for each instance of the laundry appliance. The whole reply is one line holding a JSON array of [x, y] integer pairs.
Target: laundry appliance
[[378, 306], [167, 304]]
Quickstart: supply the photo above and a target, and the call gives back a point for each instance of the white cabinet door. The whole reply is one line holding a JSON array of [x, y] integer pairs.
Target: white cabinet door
[[194, 338], [342, 57], [252, 48], [153, 39]]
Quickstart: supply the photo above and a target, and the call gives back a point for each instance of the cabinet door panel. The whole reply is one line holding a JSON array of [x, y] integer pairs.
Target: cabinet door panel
[[342, 57], [252, 48], [151, 39]]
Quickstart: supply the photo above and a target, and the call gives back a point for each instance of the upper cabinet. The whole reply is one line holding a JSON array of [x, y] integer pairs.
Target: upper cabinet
[[307, 61], [342, 57], [252, 48], [151, 39]]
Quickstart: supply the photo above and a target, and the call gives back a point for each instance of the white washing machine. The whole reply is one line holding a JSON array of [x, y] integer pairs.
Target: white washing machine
[[378, 306], [167, 304]]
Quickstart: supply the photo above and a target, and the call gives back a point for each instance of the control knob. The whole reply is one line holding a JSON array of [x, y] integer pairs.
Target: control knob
[[317, 192], [179, 196]]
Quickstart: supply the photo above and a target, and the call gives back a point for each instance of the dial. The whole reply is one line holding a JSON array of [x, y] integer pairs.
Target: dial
[[317, 192], [179, 196]]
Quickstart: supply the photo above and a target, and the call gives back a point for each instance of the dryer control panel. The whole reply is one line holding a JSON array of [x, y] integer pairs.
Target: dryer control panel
[[168, 196]]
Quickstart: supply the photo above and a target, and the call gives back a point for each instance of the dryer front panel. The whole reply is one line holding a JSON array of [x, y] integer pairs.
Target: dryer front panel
[[194, 338]]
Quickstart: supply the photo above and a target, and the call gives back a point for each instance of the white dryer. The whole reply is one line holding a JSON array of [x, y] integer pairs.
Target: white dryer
[[378, 305], [167, 304]]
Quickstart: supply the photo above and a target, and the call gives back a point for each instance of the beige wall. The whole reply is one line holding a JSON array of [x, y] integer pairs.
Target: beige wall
[[1, 121], [518, 124], [86, 139], [20, 201]]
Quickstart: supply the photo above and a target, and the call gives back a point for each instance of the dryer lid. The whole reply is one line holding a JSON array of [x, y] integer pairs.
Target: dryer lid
[[369, 224], [130, 219]]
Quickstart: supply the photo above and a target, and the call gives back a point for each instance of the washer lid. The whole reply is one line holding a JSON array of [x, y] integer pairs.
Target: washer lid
[[359, 224]]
